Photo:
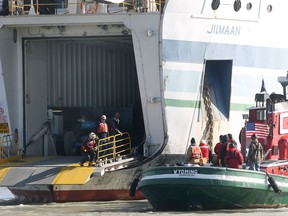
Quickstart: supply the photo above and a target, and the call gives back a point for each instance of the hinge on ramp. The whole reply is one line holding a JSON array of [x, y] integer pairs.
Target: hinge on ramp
[[113, 166]]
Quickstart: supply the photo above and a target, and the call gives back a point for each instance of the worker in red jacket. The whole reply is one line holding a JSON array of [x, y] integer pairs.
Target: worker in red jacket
[[233, 158], [204, 149], [217, 149], [89, 149]]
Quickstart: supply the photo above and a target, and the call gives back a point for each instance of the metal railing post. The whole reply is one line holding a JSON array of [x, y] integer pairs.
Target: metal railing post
[[114, 147]]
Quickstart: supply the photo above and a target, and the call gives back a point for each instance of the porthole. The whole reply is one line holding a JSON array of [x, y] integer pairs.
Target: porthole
[[237, 5], [249, 6], [215, 4], [269, 8]]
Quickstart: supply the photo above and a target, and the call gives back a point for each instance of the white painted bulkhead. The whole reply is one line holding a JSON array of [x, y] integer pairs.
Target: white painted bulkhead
[[35, 98], [4, 111], [250, 38], [11, 79], [147, 51]]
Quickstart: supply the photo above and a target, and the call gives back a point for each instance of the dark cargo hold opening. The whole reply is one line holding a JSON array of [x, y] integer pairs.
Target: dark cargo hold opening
[[91, 76]]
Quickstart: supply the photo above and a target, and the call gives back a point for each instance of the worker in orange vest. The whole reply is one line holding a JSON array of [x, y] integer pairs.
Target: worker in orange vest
[[102, 132], [102, 129], [194, 154]]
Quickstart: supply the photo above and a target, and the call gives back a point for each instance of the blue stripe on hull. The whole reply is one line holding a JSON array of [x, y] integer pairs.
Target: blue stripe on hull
[[242, 55]]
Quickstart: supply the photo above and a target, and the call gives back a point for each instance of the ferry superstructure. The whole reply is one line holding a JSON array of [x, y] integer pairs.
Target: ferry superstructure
[[186, 69]]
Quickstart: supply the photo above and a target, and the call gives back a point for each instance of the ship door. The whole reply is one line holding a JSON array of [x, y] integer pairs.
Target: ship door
[[35, 95], [217, 80]]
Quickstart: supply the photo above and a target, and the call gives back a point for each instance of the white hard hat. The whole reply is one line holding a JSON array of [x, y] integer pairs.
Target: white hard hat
[[202, 141], [92, 135]]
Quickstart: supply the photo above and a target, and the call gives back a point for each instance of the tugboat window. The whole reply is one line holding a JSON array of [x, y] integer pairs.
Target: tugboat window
[[260, 115], [275, 150]]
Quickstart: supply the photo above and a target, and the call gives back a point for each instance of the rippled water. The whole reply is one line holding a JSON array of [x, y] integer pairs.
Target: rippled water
[[10, 206]]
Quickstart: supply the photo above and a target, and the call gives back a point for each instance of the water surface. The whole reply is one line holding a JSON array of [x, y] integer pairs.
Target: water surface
[[10, 206]]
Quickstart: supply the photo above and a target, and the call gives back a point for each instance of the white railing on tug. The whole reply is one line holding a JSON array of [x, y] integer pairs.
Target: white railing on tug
[[38, 7]]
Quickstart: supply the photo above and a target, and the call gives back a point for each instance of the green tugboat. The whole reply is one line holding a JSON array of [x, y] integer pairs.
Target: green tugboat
[[188, 187], [181, 188]]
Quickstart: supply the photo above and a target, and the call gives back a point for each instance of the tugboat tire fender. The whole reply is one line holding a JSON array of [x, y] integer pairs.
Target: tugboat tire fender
[[273, 184]]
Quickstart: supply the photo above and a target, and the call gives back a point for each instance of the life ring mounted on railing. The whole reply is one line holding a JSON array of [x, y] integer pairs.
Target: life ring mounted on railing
[[88, 7]]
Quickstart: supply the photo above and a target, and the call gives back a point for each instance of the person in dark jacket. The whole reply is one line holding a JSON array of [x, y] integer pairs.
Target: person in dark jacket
[[233, 158], [89, 149], [255, 154], [5, 8], [232, 140], [223, 149], [114, 125]]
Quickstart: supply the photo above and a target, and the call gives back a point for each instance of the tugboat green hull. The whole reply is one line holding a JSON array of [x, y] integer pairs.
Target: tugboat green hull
[[182, 188]]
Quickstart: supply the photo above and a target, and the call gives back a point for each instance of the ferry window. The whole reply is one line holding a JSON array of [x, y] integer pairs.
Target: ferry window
[[237, 5], [275, 150], [215, 4], [249, 6], [260, 115]]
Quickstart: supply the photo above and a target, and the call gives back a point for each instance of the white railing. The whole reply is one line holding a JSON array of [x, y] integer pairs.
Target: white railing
[[9, 147]]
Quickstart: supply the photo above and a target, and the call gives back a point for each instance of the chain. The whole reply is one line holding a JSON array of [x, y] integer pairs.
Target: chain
[[209, 124]]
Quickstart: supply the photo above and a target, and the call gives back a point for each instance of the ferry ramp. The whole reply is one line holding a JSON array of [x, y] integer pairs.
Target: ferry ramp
[[57, 170], [44, 171]]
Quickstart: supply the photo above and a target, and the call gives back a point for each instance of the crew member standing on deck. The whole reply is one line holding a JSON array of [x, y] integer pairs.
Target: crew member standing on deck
[[224, 149], [194, 154], [205, 151], [217, 150], [255, 154], [231, 140], [114, 125], [102, 132], [102, 129], [233, 158]]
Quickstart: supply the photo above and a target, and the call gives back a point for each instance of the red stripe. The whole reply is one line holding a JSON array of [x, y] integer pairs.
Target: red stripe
[[75, 195]]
